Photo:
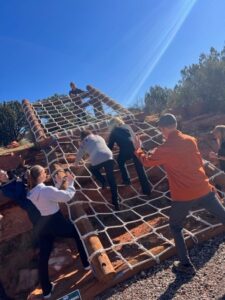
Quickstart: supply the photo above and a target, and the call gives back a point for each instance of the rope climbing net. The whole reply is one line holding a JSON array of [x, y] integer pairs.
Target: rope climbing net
[[139, 232]]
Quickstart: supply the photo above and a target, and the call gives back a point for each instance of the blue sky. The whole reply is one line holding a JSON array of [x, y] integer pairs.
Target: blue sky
[[121, 47]]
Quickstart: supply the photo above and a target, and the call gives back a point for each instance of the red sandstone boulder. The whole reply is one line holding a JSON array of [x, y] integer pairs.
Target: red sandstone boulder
[[11, 161]]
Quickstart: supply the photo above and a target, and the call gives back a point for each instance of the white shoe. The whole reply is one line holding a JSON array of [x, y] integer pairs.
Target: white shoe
[[50, 294], [87, 268]]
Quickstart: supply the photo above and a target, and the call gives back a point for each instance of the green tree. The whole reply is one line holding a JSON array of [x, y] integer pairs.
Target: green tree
[[12, 121], [137, 106], [201, 88], [157, 99], [202, 83]]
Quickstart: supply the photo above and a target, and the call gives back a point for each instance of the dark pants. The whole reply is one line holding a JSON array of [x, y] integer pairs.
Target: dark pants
[[3, 295], [179, 211], [108, 166], [32, 212], [122, 158], [49, 228]]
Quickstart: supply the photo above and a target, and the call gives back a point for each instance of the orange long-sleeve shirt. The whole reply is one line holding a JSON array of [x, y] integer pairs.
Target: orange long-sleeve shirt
[[182, 161]]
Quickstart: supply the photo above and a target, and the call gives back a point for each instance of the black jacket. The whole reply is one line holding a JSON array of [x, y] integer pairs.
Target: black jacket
[[16, 190], [122, 136]]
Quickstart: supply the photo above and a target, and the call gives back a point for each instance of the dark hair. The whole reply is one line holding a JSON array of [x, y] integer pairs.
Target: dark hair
[[72, 83], [33, 175], [167, 120], [221, 130], [84, 134]]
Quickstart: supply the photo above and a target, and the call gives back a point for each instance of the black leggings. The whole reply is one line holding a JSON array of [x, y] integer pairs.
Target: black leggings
[[143, 179], [48, 228], [3, 295], [108, 166]]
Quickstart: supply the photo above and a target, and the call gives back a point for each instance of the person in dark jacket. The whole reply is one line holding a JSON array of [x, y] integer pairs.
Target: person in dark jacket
[[219, 134], [124, 137], [74, 90], [15, 189]]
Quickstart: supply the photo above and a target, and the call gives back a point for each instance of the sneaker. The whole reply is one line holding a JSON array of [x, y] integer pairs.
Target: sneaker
[[48, 296], [87, 268], [184, 268], [147, 193]]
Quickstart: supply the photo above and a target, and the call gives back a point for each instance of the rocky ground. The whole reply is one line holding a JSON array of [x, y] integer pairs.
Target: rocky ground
[[161, 283]]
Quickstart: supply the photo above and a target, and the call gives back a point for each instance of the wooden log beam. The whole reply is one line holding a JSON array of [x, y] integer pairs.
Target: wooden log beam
[[101, 265], [37, 129], [108, 101]]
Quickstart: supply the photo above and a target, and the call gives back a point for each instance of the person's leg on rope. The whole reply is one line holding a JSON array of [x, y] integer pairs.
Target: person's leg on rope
[[46, 245], [95, 170], [143, 179], [178, 213], [211, 203], [64, 228], [121, 160], [108, 166], [80, 248]]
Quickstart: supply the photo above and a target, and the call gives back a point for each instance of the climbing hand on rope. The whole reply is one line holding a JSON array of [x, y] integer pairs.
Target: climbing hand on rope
[[137, 142], [76, 165], [60, 178], [213, 155], [64, 179], [70, 178]]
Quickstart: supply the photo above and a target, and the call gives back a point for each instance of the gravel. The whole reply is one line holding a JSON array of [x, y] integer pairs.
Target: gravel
[[161, 283]]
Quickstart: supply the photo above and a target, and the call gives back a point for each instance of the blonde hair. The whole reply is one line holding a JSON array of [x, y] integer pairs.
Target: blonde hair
[[220, 129], [115, 122]]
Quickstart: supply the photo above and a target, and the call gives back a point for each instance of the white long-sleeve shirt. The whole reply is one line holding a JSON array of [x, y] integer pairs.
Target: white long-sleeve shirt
[[46, 198]]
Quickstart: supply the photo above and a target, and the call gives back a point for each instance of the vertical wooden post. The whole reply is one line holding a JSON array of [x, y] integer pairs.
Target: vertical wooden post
[[105, 99], [101, 265]]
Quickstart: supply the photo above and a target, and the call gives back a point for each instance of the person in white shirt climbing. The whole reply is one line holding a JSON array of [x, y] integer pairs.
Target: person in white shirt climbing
[[52, 223], [100, 157]]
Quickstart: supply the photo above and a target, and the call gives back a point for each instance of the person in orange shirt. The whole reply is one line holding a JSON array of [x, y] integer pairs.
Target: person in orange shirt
[[189, 185]]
